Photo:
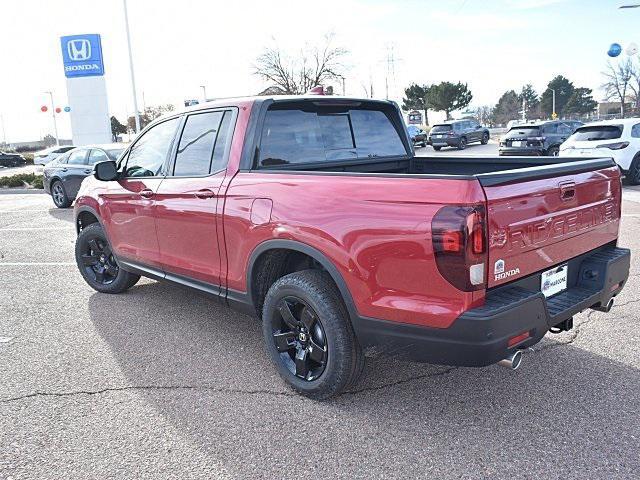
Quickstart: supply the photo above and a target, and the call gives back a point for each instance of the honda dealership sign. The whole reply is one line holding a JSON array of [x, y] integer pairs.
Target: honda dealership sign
[[86, 88], [82, 55]]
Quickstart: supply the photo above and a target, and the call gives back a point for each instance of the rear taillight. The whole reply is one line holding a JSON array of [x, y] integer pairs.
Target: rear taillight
[[459, 236], [614, 146]]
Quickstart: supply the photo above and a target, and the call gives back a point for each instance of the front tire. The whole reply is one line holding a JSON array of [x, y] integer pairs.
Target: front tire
[[308, 335], [485, 138], [553, 151], [59, 195], [437, 149], [97, 264]]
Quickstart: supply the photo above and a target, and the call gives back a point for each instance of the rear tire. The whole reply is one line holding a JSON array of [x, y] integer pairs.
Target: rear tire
[[463, 143], [59, 195], [308, 335], [633, 175], [97, 264]]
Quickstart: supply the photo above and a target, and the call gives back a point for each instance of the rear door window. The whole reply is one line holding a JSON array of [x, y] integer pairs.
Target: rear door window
[[97, 156], [635, 131], [317, 134], [77, 157], [597, 132], [195, 151]]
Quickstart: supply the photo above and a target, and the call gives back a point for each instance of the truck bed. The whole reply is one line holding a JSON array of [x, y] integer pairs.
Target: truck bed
[[488, 170]]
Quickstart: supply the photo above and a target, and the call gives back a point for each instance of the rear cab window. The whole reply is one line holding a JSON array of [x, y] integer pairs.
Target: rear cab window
[[441, 128], [597, 132], [308, 132]]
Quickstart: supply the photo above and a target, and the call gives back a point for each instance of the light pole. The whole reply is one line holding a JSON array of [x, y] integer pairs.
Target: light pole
[[136, 114], [53, 114], [553, 108], [204, 93], [4, 134]]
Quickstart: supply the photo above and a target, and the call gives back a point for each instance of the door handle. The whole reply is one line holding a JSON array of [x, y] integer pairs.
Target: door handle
[[88, 170], [205, 193], [65, 169], [146, 193]]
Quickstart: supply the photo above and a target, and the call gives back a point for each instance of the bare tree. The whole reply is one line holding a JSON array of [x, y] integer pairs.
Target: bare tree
[[297, 74], [618, 82]]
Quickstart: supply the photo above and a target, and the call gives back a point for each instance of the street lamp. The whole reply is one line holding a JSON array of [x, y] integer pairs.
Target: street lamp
[[53, 114], [136, 114], [553, 108]]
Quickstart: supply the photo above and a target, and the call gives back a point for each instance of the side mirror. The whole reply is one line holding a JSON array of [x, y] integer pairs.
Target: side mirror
[[106, 171]]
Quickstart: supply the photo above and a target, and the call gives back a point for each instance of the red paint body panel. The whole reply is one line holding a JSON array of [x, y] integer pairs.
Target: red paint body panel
[[531, 227], [375, 230]]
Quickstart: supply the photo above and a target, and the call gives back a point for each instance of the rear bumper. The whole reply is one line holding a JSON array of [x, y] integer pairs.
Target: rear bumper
[[480, 336], [445, 142], [521, 151]]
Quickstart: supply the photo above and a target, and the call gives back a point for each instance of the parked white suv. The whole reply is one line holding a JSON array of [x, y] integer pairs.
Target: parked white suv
[[45, 156], [618, 139]]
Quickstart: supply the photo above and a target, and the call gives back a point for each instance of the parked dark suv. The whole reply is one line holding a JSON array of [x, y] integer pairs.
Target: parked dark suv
[[458, 134], [539, 138]]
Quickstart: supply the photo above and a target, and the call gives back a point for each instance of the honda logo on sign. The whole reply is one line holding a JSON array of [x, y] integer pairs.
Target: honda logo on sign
[[79, 49], [82, 55]]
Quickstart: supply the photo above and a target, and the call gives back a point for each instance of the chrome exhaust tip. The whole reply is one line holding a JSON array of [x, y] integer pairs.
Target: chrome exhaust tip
[[605, 308], [512, 361]]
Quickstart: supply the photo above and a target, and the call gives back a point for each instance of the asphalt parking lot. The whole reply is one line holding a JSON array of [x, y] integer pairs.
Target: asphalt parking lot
[[162, 382]]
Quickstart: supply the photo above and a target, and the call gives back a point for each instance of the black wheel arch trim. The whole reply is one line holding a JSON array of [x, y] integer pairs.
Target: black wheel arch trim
[[314, 253], [92, 211]]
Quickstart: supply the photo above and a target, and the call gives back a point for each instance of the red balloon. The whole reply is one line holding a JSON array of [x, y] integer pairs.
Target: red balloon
[[58, 109], [44, 108]]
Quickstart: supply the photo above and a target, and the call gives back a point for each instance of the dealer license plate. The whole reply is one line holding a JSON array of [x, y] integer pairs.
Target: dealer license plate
[[518, 144], [554, 281]]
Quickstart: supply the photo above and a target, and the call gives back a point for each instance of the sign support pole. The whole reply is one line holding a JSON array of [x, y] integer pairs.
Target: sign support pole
[[53, 114], [133, 77]]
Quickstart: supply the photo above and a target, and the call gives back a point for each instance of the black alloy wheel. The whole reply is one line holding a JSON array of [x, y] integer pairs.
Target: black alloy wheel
[[300, 339], [98, 261], [463, 143], [485, 138]]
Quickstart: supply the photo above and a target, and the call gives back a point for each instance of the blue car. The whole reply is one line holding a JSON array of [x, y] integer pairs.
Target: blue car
[[418, 136]]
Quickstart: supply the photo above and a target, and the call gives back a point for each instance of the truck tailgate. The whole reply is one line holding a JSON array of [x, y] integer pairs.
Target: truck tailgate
[[541, 221]]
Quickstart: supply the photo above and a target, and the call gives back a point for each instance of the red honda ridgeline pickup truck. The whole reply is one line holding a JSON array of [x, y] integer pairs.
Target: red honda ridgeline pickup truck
[[314, 214]]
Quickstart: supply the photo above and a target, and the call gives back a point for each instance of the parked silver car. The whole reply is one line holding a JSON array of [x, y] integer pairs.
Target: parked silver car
[[45, 156]]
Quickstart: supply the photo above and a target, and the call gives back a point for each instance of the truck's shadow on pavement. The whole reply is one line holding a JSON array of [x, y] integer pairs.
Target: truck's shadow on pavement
[[566, 413]]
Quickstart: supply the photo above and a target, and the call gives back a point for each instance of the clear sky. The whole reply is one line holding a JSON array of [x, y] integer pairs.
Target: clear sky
[[494, 45]]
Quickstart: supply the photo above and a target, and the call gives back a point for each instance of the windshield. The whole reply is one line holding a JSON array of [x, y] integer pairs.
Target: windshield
[[441, 128], [113, 154], [530, 131], [597, 132]]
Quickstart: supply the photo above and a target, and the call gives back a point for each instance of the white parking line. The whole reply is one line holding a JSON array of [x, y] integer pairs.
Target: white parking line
[[25, 211], [28, 229], [37, 264]]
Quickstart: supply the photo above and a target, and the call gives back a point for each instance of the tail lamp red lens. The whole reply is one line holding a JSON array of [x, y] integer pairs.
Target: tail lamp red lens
[[460, 245]]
